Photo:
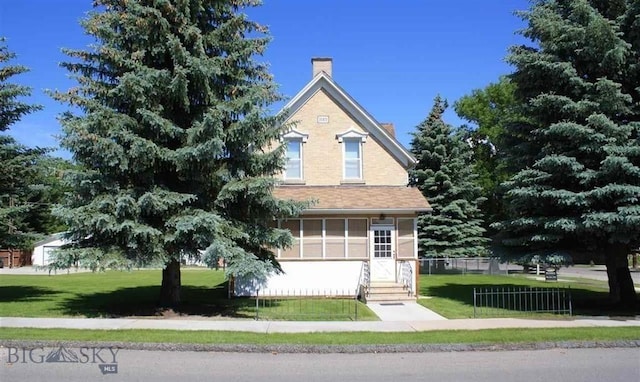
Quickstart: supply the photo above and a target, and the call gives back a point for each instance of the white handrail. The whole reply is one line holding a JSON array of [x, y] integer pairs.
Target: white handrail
[[360, 280], [406, 276], [363, 279]]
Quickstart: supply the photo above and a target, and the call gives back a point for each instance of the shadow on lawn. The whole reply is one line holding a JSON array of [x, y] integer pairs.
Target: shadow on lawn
[[585, 302], [143, 301], [23, 293]]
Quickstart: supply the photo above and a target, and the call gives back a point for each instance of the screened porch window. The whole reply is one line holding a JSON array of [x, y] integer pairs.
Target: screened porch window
[[357, 239], [332, 238], [406, 238], [312, 238], [294, 251], [335, 238]]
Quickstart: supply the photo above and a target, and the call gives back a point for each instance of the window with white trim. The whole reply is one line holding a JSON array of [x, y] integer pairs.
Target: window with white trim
[[293, 168], [352, 141], [352, 158]]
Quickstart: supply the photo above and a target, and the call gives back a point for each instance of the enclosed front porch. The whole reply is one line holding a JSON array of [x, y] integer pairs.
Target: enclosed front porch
[[342, 255]]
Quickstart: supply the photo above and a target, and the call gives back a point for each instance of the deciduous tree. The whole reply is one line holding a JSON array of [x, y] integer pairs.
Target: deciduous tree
[[489, 111]]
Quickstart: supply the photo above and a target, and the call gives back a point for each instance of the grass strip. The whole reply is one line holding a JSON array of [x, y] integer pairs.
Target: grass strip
[[495, 336]]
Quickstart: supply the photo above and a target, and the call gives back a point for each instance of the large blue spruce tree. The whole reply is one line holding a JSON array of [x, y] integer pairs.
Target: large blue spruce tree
[[173, 136], [578, 84]]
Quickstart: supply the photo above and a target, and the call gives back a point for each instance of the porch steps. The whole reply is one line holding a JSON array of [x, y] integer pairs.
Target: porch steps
[[388, 292]]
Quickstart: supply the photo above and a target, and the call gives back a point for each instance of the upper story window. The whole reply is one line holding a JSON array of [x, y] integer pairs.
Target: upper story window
[[293, 169], [352, 159], [294, 165], [352, 142]]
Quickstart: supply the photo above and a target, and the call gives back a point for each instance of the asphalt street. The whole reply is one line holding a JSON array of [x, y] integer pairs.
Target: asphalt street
[[567, 365], [597, 272]]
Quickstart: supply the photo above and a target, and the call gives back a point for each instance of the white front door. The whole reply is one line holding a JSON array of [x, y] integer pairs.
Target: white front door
[[383, 263]]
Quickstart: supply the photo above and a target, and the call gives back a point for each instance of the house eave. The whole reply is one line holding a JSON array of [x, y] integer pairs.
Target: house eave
[[364, 211], [49, 239]]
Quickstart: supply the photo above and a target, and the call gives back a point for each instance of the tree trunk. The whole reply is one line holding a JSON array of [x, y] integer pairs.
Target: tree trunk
[[170, 290], [621, 289]]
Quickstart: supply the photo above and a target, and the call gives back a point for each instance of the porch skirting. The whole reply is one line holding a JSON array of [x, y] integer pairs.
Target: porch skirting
[[330, 278], [325, 278]]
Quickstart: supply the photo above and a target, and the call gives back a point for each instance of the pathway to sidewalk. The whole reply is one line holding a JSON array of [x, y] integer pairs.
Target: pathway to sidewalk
[[403, 311], [307, 326]]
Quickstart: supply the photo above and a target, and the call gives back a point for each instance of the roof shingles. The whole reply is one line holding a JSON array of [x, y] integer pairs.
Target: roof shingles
[[357, 197]]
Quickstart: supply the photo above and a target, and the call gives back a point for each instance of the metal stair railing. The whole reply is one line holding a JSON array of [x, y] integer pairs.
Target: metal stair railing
[[406, 276]]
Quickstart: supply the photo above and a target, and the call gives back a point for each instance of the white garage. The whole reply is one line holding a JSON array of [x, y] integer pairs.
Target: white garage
[[42, 249]]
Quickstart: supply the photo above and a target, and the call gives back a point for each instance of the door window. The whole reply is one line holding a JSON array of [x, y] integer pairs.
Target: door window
[[382, 243]]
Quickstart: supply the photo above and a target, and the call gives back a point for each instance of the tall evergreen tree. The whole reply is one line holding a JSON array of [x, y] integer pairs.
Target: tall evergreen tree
[[47, 190], [19, 190], [12, 109], [579, 90], [18, 163], [445, 176], [173, 139]]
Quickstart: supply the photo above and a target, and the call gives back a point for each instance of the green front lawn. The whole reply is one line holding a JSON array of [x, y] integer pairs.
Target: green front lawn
[[452, 295], [204, 293], [135, 293]]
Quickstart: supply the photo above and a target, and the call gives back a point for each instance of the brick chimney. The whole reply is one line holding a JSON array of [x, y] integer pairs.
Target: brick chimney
[[389, 128], [322, 64]]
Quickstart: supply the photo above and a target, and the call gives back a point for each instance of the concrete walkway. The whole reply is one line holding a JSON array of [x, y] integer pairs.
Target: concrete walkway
[[307, 326], [403, 311]]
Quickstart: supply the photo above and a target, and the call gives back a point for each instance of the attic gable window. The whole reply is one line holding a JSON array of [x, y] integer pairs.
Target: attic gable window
[[294, 165], [352, 141]]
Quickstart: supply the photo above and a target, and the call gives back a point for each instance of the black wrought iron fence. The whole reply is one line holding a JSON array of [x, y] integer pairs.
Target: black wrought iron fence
[[492, 302], [307, 305]]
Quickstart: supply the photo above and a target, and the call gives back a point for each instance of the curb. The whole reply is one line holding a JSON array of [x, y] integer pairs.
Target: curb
[[327, 349]]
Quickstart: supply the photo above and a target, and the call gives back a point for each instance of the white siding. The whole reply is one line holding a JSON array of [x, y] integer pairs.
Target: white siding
[[330, 278]]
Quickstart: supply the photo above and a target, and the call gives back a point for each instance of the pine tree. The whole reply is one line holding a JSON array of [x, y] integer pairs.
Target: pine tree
[[444, 175], [18, 163], [18, 193], [173, 140], [47, 190], [579, 89], [12, 109]]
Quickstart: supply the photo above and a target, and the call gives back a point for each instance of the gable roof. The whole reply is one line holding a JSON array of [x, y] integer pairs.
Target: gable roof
[[356, 199], [322, 81], [49, 239]]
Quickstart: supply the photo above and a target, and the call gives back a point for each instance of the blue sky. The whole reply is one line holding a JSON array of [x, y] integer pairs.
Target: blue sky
[[393, 57]]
